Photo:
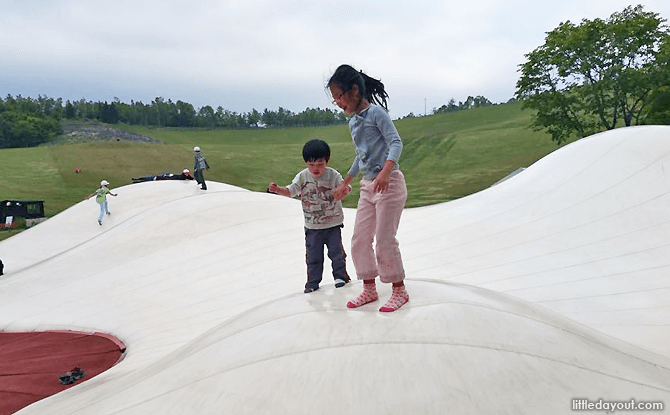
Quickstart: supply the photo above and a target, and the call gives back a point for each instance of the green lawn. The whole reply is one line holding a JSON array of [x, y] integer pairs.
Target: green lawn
[[445, 156]]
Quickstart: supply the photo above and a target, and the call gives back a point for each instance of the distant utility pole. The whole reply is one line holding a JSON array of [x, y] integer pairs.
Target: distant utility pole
[[424, 107]]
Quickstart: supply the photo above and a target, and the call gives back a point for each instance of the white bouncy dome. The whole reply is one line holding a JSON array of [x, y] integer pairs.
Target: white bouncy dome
[[551, 286]]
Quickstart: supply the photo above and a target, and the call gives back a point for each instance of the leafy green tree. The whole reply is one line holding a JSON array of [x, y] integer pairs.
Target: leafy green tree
[[474, 102], [253, 118], [108, 113], [269, 118], [27, 122], [451, 106], [70, 111], [596, 75], [284, 117], [159, 112], [659, 112], [185, 114], [50, 107], [220, 116], [206, 117]]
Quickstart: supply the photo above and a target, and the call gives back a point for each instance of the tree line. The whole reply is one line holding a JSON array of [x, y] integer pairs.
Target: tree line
[[166, 113], [470, 103]]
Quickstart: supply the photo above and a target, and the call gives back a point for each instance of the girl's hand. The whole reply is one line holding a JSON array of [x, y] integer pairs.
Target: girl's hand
[[273, 187], [341, 191], [381, 182]]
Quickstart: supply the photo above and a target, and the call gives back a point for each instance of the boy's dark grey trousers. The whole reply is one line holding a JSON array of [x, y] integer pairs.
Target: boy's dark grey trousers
[[315, 239], [200, 179]]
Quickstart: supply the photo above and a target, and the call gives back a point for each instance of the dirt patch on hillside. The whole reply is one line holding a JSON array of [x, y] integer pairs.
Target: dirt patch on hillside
[[95, 131]]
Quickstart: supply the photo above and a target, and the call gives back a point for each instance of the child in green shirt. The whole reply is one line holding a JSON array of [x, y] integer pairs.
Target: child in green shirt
[[101, 198]]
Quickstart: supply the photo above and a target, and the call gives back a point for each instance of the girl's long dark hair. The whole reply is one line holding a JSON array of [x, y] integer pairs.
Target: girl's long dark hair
[[371, 89]]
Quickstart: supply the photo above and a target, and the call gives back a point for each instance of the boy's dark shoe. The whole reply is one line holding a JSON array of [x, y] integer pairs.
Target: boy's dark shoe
[[340, 283], [310, 290], [72, 376]]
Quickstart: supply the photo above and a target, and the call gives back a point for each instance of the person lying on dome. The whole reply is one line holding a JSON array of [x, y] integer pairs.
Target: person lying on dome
[[185, 175]]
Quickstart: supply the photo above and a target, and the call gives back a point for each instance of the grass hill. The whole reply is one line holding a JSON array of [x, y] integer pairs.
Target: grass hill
[[445, 156]]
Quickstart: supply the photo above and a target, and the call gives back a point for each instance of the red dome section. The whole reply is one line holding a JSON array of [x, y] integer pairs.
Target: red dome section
[[32, 363]]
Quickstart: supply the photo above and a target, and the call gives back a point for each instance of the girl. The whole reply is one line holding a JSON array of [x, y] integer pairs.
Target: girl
[[383, 190]]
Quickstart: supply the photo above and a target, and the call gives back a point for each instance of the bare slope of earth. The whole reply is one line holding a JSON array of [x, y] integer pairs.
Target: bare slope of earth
[[95, 131]]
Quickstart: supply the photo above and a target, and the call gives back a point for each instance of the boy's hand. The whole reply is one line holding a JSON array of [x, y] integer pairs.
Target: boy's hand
[[274, 188]]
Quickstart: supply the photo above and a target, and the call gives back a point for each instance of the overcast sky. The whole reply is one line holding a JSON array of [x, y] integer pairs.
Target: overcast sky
[[245, 54]]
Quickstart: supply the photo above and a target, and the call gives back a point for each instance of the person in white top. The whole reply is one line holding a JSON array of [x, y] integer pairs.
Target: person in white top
[[324, 218]]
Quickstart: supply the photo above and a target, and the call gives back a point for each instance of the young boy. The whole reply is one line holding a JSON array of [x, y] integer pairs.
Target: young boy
[[199, 166], [323, 214]]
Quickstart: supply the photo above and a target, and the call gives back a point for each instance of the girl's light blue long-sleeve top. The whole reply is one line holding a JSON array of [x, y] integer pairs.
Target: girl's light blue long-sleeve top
[[375, 139]]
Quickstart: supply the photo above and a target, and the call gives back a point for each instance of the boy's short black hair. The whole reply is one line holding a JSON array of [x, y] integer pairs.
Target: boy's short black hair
[[315, 149]]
